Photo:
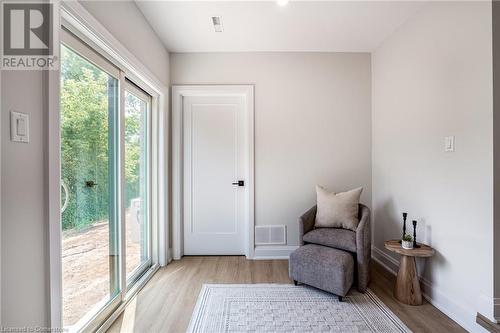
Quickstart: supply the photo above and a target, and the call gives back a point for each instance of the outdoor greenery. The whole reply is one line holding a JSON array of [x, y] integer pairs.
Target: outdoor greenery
[[86, 92]]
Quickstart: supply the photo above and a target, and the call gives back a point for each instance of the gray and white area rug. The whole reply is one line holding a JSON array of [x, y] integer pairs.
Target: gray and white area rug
[[287, 308]]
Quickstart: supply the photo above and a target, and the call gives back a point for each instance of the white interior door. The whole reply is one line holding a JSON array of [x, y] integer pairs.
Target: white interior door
[[215, 174]]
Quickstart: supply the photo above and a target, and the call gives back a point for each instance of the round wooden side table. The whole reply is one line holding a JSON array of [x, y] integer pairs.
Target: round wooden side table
[[407, 289]]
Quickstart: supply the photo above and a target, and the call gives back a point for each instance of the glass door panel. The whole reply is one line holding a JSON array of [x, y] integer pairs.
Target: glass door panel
[[137, 207], [105, 195], [90, 248]]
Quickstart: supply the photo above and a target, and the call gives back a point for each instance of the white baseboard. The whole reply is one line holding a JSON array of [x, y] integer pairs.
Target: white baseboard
[[273, 252], [464, 316], [386, 261]]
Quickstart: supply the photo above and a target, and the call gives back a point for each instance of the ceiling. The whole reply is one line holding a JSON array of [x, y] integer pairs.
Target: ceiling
[[263, 26]]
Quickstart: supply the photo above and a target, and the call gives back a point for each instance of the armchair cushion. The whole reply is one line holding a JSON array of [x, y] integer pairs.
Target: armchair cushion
[[332, 237], [337, 210]]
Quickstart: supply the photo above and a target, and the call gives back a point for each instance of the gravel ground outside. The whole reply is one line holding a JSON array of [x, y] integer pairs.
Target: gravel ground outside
[[85, 265]]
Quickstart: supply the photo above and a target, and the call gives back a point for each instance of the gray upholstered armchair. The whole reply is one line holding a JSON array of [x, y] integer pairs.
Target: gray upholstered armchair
[[357, 242]]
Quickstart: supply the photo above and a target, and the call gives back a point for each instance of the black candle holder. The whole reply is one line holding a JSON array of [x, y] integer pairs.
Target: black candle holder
[[415, 245], [405, 215]]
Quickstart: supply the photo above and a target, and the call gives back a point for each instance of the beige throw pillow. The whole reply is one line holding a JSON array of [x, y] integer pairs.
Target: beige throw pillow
[[337, 210]]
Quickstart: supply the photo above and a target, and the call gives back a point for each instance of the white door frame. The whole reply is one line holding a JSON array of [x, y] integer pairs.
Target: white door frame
[[178, 93]]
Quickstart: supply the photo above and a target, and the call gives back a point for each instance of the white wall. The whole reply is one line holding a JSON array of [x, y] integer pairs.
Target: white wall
[[24, 242], [24, 226], [431, 79], [312, 123]]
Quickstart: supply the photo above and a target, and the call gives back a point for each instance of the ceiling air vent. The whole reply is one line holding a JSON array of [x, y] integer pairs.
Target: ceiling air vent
[[217, 22]]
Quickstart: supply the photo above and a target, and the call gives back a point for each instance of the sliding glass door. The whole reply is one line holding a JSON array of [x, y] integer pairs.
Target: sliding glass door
[[137, 143], [106, 214]]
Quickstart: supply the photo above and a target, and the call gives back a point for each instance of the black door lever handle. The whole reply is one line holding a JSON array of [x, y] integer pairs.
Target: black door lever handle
[[240, 183]]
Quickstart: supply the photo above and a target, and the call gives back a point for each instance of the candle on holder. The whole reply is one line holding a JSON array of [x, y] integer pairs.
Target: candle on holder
[[415, 234], [405, 215]]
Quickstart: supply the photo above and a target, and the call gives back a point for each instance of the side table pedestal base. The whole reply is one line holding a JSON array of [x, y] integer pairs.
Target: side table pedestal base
[[407, 289]]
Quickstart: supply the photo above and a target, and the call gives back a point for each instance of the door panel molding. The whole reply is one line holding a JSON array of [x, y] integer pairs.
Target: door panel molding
[[246, 92], [214, 139]]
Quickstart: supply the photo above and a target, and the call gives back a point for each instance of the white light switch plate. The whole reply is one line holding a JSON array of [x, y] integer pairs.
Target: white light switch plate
[[19, 127], [449, 144]]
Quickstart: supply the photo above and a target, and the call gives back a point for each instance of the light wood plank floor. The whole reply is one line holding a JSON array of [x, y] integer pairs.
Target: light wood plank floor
[[167, 301]]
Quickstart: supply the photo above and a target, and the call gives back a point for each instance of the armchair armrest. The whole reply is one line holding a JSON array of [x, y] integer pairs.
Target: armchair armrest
[[306, 223], [363, 248]]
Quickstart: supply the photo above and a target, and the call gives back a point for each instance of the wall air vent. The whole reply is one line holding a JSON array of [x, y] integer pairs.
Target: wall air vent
[[270, 235], [217, 22]]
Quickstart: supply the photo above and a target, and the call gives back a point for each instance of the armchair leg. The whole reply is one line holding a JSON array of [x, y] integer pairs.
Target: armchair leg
[[340, 298], [295, 282]]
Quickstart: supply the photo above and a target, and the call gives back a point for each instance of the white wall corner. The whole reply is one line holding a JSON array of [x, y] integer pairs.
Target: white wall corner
[[274, 252], [464, 316], [486, 306]]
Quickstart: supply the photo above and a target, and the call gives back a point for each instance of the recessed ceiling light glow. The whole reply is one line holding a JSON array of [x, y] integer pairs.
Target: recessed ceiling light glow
[[282, 2]]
